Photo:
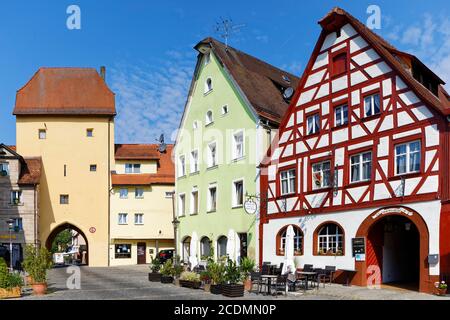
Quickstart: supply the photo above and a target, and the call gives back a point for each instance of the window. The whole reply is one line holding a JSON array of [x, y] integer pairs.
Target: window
[[123, 193], [222, 246], [16, 196], [18, 224], [169, 194], [132, 168], [238, 145], [123, 251], [313, 123], [65, 170], [224, 110], [238, 193], [194, 202], [139, 218], [139, 193], [123, 218], [321, 175], [209, 117], [194, 125], [4, 169], [181, 205], [42, 134], [372, 105], [287, 181], [93, 167], [361, 167], [407, 157], [89, 133], [186, 249], [205, 248], [64, 199], [182, 166], [212, 155], [298, 241], [208, 85], [207, 58], [194, 161], [212, 199], [340, 115], [330, 239], [339, 65]]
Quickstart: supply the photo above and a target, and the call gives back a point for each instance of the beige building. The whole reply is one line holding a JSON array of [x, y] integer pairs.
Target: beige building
[[66, 117], [19, 201], [141, 203]]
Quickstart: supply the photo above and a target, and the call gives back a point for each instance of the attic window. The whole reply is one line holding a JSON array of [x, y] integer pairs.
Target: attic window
[[42, 134], [208, 85], [339, 64], [209, 117]]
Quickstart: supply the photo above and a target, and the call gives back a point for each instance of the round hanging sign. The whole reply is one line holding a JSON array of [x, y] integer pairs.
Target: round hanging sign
[[92, 229], [250, 206]]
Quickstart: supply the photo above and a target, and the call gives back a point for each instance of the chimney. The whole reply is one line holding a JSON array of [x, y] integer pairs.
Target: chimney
[[103, 72]]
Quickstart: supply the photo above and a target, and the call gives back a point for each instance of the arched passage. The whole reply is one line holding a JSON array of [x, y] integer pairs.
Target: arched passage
[[374, 229], [79, 233]]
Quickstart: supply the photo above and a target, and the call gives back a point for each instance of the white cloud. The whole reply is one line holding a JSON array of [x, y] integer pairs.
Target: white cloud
[[150, 98], [294, 67]]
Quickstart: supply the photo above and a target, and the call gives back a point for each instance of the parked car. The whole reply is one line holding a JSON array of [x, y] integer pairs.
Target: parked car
[[165, 255], [4, 253]]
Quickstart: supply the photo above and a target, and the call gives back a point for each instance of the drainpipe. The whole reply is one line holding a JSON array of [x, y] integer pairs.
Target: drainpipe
[[109, 181]]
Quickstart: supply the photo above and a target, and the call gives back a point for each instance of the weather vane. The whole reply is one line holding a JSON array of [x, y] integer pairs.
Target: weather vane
[[225, 28]]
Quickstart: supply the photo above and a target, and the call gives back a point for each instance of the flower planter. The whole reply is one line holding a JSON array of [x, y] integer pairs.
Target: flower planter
[[190, 284], [29, 280], [441, 292], [248, 284], [166, 279], [233, 290], [207, 287], [10, 293], [216, 289], [39, 289], [154, 277]]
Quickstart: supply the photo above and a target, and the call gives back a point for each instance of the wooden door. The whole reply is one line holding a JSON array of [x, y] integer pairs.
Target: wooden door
[[141, 256]]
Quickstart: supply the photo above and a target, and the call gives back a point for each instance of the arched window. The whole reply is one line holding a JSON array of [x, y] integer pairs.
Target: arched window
[[298, 241], [209, 117], [186, 249], [205, 248], [222, 246], [208, 85], [330, 239]]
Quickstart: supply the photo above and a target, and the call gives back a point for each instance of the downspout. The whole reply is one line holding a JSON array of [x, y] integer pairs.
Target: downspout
[[109, 192]]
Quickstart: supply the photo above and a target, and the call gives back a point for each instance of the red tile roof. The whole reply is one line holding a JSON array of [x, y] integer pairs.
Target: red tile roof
[[338, 16], [137, 152], [260, 82], [65, 91], [165, 170], [30, 172]]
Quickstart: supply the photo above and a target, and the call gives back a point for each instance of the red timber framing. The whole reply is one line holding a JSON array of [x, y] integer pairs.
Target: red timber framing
[[404, 117]]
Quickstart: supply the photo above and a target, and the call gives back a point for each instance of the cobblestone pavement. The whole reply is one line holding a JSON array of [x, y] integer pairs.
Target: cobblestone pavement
[[131, 283]]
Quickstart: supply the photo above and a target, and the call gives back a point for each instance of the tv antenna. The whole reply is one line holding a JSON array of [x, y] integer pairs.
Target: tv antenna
[[162, 146], [226, 28]]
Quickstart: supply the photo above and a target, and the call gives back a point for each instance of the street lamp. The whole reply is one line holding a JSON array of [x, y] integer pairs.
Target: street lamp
[[175, 223], [10, 223]]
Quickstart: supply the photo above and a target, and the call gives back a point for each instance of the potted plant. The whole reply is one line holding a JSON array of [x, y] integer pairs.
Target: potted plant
[[190, 279], [247, 266], [205, 278], [339, 252], [36, 263], [441, 288], [10, 283], [155, 275], [233, 286], [167, 272], [216, 272]]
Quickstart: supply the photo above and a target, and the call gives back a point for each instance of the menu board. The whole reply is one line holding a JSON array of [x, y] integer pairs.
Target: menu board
[[359, 248]]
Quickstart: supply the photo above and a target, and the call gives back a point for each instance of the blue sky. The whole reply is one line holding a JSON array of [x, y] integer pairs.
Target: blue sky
[[146, 46]]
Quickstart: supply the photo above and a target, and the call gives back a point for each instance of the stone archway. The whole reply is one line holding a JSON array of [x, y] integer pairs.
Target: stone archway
[[425, 280], [64, 226]]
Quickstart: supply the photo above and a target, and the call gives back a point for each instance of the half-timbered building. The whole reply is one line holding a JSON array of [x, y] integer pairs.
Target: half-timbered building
[[361, 165]]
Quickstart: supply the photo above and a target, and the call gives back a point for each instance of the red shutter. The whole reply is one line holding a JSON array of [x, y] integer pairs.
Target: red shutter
[[339, 64]]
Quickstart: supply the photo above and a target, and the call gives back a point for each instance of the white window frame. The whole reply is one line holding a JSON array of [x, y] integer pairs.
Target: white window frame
[[212, 161], [208, 88], [322, 185], [289, 177], [181, 204], [16, 194], [209, 206], [120, 221], [182, 166], [91, 131], [193, 162], [136, 193], [44, 132], [209, 117], [408, 157], [339, 111], [235, 154], [234, 203], [135, 168], [120, 193], [372, 104], [360, 165], [330, 238], [314, 129], [192, 212], [141, 222]]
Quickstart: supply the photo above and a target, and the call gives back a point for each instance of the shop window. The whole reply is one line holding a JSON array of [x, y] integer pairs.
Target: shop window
[[123, 251]]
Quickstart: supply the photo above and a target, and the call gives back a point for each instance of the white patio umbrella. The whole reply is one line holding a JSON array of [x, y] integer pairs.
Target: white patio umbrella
[[289, 265], [231, 244], [237, 248], [193, 260]]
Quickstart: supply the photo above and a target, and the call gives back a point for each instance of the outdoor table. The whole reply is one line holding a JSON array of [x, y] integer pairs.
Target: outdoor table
[[269, 278], [347, 272], [307, 275]]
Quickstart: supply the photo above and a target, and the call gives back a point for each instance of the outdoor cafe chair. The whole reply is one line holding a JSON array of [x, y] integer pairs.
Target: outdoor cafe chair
[[329, 273], [265, 269], [255, 278], [281, 284], [308, 268]]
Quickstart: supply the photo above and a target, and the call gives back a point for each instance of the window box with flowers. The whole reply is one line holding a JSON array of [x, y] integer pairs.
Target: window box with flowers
[[330, 252], [441, 288]]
